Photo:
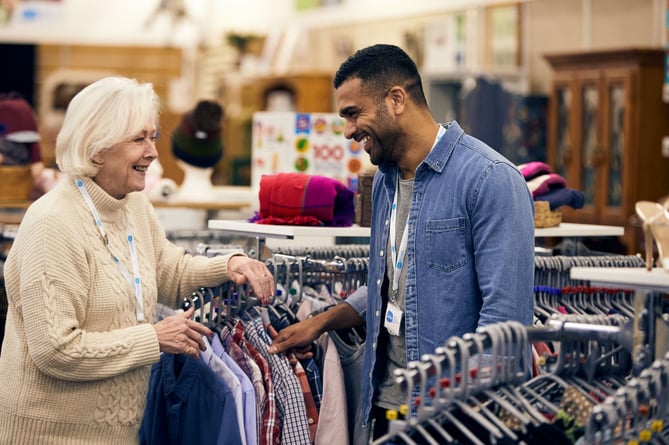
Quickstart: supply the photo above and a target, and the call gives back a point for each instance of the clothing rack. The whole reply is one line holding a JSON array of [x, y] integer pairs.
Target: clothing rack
[[637, 411], [554, 271], [340, 275], [325, 252], [481, 376]]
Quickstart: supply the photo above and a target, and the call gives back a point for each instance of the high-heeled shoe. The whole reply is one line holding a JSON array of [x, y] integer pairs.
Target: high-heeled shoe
[[655, 219]]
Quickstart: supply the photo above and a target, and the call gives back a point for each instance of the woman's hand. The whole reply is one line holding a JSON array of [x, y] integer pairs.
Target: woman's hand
[[178, 334], [242, 269]]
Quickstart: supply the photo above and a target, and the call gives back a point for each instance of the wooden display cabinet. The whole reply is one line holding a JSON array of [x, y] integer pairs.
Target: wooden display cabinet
[[606, 124]]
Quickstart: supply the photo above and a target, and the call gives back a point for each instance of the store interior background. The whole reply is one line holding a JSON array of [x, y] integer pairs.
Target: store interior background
[[48, 45]]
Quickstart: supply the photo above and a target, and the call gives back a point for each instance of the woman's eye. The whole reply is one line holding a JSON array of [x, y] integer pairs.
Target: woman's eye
[[138, 140]]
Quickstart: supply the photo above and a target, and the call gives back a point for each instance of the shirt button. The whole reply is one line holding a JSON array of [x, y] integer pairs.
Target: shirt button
[[311, 421], [374, 345], [377, 313], [387, 222], [378, 282], [381, 253]]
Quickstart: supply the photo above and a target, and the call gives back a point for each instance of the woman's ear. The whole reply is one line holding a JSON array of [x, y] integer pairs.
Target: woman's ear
[[97, 160]]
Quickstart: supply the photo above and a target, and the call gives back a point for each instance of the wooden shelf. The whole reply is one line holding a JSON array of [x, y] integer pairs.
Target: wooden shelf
[[201, 205]]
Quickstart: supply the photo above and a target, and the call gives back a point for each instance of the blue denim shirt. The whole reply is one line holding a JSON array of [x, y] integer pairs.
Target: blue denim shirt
[[470, 258]]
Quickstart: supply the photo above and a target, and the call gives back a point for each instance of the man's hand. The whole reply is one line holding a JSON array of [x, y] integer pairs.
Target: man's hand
[[301, 334], [297, 335]]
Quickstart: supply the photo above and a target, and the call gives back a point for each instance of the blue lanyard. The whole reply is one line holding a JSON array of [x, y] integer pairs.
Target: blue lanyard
[[136, 282], [397, 256]]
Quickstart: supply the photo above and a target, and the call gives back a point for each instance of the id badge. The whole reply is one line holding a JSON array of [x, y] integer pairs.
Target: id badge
[[393, 319]]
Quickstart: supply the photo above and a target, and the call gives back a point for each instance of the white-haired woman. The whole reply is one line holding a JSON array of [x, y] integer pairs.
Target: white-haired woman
[[88, 266]]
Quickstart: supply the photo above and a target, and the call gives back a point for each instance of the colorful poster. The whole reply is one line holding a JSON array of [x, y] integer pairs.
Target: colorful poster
[[284, 142]]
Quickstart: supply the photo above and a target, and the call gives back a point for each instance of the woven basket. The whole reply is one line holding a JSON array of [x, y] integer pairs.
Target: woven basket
[[544, 216], [15, 183]]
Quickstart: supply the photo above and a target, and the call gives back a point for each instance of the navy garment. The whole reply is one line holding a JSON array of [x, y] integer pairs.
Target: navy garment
[[188, 403]]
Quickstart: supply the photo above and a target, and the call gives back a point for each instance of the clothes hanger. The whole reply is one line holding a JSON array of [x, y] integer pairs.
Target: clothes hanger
[[466, 389], [500, 402]]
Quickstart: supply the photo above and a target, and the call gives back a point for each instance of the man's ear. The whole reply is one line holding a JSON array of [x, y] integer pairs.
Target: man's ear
[[398, 97]]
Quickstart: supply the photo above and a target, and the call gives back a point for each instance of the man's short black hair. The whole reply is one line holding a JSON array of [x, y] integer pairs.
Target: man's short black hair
[[381, 67]]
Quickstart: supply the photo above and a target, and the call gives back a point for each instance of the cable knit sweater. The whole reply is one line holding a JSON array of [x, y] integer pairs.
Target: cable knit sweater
[[75, 361]]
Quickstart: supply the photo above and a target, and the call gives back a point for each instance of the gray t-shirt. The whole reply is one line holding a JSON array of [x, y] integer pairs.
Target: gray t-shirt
[[389, 395]]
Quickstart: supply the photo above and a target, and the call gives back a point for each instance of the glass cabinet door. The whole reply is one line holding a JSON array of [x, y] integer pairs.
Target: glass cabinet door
[[616, 143], [563, 143], [590, 143]]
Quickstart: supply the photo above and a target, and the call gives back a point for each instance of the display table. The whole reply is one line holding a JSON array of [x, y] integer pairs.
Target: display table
[[656, 280], [572, 230], [650, 285], [263, 231]]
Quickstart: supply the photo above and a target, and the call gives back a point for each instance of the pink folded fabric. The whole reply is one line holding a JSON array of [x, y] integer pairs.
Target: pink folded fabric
[[544, 183], [533, 169], [302, 199]]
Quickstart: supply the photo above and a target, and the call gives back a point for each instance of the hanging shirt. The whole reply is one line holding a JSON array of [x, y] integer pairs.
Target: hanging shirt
[[189, 406]]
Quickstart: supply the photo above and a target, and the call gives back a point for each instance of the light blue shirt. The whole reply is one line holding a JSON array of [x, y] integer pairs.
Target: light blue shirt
[[223, 371], [248, 392], [470, 254]]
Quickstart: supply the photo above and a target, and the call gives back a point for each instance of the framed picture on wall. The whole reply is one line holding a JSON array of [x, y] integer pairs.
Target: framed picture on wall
[[503, 36]]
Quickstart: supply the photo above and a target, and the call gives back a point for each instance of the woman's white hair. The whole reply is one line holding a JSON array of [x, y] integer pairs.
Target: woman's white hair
[[105, 113]]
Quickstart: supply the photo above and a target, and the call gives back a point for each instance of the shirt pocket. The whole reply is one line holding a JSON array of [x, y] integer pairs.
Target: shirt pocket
[[445, 244]]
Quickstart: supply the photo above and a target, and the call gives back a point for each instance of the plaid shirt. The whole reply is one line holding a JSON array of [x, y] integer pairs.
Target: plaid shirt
[[292, 411], [271, 431], [252, 371], [303, 380], [310, 365]]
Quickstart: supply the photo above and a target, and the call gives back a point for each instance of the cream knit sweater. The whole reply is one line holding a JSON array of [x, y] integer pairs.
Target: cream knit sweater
[[75, 361]]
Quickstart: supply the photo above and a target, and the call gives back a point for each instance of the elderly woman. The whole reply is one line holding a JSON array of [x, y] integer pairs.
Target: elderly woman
[[84, 276]]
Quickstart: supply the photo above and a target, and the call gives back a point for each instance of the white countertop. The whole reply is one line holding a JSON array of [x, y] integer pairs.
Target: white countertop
[[289, 231], [635, 278]]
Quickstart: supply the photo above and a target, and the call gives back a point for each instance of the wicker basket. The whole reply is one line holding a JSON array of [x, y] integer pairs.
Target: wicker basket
[[15, 183], [544, 216]]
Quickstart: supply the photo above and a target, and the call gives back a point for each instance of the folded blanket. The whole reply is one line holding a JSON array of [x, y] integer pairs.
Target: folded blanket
[[542, 184], [563, 197], [302, 199], [533, 169]]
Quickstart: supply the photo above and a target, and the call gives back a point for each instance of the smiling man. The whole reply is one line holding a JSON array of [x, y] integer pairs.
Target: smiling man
[[452, 231]]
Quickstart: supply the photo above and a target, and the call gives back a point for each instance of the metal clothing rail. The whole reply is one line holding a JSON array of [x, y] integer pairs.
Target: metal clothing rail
[[470, 374], [557, 329], [555, 270]]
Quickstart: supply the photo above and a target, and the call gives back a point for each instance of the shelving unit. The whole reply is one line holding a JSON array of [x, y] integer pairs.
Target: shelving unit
[[640, 279], [568, 230], [650, 287], [263, 231]]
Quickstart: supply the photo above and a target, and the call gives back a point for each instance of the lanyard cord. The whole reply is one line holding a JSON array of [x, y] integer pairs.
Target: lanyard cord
[[134, 282], [397, 255]]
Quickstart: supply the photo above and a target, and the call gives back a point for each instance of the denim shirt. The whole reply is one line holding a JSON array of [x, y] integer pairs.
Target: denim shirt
[[470, 256]]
